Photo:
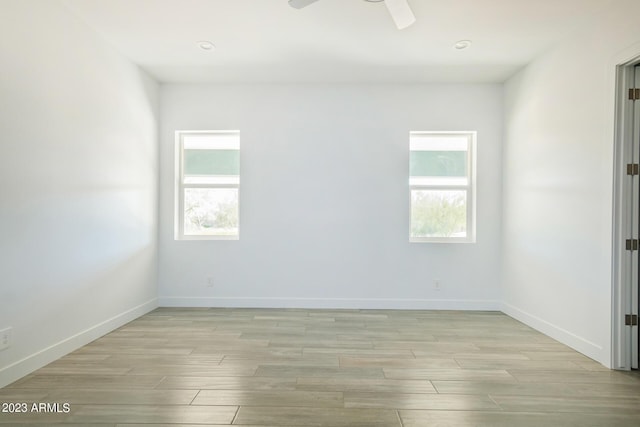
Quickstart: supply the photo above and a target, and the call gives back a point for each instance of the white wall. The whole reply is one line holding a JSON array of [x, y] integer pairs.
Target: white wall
[[78, 186], [324, 202], [558, 177]]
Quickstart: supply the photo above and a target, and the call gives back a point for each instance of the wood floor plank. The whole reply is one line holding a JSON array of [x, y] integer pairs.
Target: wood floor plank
[[318, 417], [258, 353], [53, 382], [460, 402], [391, 362], [365, 385], [9, 394], [310, 342], [591, 365], [538, 365], [170, 414], [555, 355], [227, 383], [479, 355], [448, 374], [183, 425], [360, 352], [123, 397], [270, 398], [331, 361], [608, 377], [83, 368], [201, 370], [430, 349], [135, 349], [318, 371], [537, 388], [606, 405], [422, 418], [133, 360]]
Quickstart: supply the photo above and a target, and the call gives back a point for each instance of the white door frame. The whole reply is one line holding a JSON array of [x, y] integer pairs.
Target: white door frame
[[626, 221]]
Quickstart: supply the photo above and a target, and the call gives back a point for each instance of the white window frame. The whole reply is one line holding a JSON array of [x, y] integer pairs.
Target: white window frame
[[181, 186], [470, 189]]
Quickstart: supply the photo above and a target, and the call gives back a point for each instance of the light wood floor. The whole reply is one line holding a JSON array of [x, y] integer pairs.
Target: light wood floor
[[328, 368]]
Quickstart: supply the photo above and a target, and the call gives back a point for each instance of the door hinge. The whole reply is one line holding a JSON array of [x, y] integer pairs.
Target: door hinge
[[631, 320], [632, 169], [631, 244], [634, 94]]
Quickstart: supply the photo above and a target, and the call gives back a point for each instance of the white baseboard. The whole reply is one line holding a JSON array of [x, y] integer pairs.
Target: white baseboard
[[570, 339], [47, 355], [329, 303]]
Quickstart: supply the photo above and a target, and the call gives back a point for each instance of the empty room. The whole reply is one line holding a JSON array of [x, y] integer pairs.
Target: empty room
[[319, 213]]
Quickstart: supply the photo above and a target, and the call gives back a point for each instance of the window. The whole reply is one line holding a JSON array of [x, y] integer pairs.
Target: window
[[442, 186], [207, 184]]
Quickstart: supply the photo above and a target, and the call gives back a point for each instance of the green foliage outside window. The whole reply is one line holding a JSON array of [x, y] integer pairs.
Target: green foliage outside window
[[211, 211], [438, 213]]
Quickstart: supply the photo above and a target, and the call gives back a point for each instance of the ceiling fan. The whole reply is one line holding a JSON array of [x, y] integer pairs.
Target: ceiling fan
[[399, 9]]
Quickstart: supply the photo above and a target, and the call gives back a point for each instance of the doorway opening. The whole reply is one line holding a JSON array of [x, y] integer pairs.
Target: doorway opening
[[626, 242]]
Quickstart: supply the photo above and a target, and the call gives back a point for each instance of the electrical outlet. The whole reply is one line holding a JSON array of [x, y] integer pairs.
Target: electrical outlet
[[437, 285], [209, 282], [5, 338]]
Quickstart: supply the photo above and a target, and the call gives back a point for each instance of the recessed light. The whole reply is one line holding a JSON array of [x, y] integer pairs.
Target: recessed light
[[462, 44], [205, 45]]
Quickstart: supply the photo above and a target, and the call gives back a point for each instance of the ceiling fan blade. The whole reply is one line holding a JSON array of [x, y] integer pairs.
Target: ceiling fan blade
[[400, 12], [299, 4]]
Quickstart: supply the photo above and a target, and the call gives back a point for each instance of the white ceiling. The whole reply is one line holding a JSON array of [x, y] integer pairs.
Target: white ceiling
[[332, 40]]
